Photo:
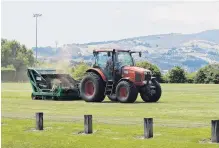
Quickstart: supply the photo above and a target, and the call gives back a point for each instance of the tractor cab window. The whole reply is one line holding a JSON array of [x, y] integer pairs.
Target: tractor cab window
[[124, 59], [102, 59]]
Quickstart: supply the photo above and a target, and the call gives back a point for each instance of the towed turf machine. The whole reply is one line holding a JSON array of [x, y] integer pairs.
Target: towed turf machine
[[50, 84]]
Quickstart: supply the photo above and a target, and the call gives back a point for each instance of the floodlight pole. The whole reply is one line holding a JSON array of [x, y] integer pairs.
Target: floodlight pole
[[36, 15]]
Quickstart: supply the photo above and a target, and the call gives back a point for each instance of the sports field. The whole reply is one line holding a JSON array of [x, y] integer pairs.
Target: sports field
[[182, 119]]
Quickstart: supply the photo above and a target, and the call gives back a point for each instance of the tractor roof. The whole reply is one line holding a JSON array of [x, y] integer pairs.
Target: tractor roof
[[116, 50], [110, 50]]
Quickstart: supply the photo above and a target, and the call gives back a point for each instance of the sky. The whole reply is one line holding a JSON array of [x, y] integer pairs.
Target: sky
[[81, 22]]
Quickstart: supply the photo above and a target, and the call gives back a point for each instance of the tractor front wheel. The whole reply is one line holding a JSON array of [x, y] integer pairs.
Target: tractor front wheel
[[152, 92], [126, 92], [92, 88]]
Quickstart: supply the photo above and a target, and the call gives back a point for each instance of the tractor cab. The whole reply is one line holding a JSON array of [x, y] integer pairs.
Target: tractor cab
[[111, 62]]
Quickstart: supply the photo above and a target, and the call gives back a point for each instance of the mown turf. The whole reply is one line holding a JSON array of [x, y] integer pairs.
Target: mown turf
[[181, 119]]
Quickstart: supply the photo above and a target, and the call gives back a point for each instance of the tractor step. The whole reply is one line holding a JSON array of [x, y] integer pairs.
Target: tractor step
[[109, 87]]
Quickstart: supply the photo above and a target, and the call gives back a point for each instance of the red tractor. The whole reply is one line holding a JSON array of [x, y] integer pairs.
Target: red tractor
[[115, 75]]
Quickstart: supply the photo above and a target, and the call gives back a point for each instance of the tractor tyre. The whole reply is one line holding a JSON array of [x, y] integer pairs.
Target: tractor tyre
[[92, 88], [113, 97], [126, 92], [148, 97]]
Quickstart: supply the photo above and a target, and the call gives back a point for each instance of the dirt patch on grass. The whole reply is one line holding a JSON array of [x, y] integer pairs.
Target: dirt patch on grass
[[34, 129], [82, 132], [205, 141], [139, 137], [3, 124], [142, 136], [116, 138]]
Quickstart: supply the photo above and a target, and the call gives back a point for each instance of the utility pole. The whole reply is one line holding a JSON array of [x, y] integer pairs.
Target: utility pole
[[36, 15]]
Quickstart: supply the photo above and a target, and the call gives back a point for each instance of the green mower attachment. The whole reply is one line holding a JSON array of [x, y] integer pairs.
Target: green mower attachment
[[48, 84]]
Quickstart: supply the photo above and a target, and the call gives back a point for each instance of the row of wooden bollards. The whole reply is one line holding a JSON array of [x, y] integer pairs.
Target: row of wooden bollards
[[148, 126], [88, 128]]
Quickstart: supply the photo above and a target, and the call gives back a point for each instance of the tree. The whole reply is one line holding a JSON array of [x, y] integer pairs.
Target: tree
[[200, 76], [190, 77], [216, 78], [155, 70], [79, 70], [13, 53], [165, 78], [208, 74], [177, 75]]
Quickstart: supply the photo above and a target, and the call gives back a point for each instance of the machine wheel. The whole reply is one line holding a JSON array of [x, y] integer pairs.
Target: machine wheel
[[147, 94], [92, 88], [126, 92], [55, 98], [113, 97], [33, 97]]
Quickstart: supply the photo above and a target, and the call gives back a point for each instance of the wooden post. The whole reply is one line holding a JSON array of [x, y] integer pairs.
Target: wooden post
[[39, 121], [148, 128], [215, 131], [88, 124]]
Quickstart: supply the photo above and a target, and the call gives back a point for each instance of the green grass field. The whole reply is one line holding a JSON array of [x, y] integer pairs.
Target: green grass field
[[181, 119]]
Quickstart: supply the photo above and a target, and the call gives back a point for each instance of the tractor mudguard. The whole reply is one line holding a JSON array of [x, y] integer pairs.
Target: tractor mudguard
[[153, 78], [97, 71], [130, 80], [124, 79]]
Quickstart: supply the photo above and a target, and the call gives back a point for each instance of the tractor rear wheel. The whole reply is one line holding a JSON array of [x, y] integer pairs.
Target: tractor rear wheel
[[113, 97], [126, 92], [152, 93], [92, 88]]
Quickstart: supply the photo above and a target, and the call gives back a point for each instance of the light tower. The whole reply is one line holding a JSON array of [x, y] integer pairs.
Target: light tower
[[36, 15]]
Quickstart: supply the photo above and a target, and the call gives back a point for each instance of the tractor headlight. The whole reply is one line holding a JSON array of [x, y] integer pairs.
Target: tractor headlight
[[147, 75], [126, 72]]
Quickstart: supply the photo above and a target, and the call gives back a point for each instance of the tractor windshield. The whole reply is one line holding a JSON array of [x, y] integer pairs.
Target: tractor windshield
[[125, 59]]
